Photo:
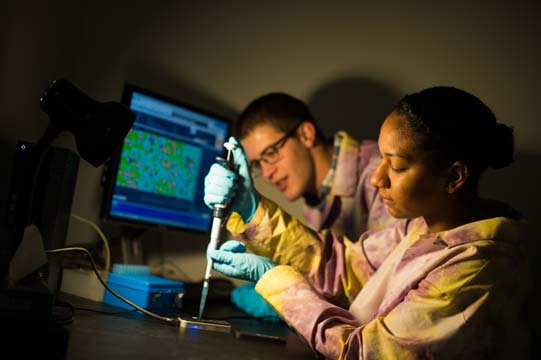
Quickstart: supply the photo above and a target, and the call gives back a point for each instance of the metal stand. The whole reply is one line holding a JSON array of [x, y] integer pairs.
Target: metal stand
[[131, 247]]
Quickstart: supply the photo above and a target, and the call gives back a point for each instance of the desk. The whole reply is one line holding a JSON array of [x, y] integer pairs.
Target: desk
[[97, 336]]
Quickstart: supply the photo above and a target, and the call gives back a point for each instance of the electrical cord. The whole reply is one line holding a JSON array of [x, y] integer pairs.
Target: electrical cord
[[105, 312], [170, 321], [66, 304], [106, 247]]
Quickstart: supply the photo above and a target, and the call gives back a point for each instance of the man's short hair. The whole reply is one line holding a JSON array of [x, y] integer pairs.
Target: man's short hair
[[279, 110]]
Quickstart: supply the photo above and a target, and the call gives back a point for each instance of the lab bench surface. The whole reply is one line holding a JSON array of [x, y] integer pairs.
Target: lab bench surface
[[103, 332]]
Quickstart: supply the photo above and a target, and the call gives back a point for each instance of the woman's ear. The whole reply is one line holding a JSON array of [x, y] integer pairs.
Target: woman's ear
[[307, 134], [459, 174]]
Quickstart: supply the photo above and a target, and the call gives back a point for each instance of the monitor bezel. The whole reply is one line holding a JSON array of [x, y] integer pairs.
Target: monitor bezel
[[110, 168]]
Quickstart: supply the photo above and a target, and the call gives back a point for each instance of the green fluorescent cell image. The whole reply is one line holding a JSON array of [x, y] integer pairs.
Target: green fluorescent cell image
[[147, 165]]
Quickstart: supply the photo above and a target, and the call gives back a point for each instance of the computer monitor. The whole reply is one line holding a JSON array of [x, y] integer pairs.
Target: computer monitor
[[156, 178]]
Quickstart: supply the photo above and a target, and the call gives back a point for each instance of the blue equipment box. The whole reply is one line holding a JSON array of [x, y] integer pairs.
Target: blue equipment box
[[150, 292]]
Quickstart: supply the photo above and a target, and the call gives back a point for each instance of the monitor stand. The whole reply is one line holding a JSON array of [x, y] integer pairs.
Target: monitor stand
[[131, 248]]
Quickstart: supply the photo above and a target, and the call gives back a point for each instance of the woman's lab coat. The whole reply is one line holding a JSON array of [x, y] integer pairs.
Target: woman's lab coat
[[455, 294]]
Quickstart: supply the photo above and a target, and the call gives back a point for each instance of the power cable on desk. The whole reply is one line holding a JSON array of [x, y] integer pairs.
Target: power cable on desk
[[169, 320], [67, 304], [105, 312]]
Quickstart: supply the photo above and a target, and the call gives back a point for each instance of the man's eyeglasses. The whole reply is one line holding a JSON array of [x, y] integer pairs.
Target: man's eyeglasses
[[271, 155]]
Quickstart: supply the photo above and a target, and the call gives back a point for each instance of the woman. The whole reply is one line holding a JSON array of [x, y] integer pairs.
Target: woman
[[454, 285]]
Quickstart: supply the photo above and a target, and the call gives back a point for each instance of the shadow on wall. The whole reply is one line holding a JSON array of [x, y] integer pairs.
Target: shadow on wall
[[167, 83], [518, 186], [355, 104]]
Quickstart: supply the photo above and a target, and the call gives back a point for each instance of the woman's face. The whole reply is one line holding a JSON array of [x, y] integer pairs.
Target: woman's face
[[408, 182]]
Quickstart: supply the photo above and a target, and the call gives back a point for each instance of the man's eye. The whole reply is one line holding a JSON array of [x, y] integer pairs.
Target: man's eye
[[270, 153]]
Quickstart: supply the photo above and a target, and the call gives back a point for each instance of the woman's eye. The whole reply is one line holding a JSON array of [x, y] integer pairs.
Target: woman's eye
[[398, 170]]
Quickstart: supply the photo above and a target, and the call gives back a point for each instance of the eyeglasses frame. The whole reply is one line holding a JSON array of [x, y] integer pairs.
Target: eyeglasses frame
[[254, 165]]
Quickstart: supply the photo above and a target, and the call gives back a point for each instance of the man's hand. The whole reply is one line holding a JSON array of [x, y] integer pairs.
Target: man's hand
[[224, 186]]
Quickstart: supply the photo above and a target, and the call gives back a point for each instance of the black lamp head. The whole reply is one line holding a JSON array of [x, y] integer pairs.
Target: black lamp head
[[98, 127]]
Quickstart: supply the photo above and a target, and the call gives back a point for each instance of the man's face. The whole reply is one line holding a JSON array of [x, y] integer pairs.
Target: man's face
[[293, 171]]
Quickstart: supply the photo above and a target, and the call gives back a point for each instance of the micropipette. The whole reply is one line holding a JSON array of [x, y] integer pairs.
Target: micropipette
[[218, 215]]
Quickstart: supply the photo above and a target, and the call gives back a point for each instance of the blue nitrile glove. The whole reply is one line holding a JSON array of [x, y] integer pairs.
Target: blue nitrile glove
[[232, 246], [231, 260], [220, 185], [247, 299], [223, 186]]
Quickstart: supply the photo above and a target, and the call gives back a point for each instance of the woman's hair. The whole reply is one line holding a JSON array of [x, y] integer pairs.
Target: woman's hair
[[279, 110], [456, 126]]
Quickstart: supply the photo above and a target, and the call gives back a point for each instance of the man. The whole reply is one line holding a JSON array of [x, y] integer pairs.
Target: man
[[284, 145]]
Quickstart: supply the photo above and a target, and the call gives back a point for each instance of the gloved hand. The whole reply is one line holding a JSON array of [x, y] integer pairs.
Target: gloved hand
[[223, 186], [232, 246], [232, 260], [247, 299]]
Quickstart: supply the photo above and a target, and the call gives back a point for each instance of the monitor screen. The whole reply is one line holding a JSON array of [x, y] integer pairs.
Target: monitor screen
[[156, 177]]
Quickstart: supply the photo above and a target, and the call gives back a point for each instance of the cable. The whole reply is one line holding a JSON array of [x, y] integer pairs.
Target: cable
[[105, 312], [169, 320], [106, 247]]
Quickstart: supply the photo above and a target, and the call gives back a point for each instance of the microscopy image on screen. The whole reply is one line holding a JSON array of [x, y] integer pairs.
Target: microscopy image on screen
[[159, 165]]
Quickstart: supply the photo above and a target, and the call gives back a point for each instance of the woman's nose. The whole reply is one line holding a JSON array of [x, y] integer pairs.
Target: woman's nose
[[379, 178]]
